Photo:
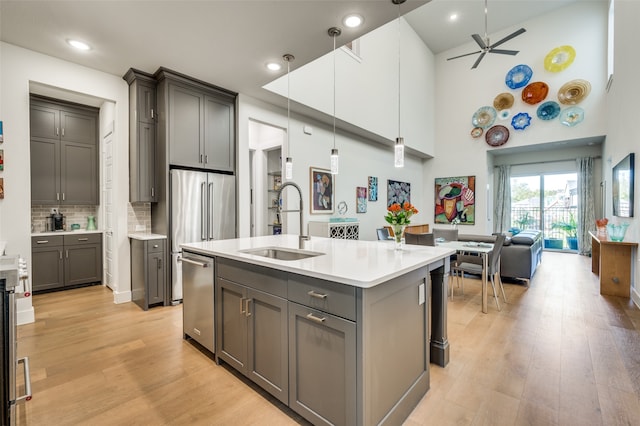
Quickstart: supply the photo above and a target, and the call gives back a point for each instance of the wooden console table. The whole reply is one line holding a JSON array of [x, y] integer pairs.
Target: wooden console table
[[614, 262], [412, 229]]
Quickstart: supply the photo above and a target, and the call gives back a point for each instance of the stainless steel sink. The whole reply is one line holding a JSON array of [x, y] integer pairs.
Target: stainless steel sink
[[281, 253]]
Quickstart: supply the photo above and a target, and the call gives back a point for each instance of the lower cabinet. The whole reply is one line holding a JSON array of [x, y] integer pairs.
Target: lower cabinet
[[61, 261], [148, 272], [252, 327], [322, 366]]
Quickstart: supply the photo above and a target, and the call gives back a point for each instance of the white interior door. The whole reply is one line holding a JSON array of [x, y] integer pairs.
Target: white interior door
[[107, 197]]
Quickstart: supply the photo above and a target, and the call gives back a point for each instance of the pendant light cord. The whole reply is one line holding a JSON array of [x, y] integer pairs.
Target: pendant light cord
[[334, 89], [288, 108], [399, 76]]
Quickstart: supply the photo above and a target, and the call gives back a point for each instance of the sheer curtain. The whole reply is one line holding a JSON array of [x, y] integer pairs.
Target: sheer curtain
[[586, 207], [502, 211]]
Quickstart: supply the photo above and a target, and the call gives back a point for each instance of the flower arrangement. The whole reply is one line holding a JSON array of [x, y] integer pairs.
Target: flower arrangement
[[399, 214]]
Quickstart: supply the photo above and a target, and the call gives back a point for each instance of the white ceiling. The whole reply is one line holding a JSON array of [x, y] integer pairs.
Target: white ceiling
[[228, 42]]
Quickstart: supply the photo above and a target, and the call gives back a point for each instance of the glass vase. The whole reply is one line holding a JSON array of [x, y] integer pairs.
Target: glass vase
[[398, 236]]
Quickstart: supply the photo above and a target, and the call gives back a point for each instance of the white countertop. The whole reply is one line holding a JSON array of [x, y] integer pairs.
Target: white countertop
[[358, 263], [143, 236], [79, 231]]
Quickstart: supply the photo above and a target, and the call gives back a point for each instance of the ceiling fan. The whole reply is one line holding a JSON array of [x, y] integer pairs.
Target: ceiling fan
[[486, 46]]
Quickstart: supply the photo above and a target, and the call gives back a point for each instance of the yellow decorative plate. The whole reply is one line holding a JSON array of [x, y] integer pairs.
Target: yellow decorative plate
[[559, 58]]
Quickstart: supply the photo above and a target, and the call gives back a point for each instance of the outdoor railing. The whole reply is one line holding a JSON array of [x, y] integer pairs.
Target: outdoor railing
[[532, 218]]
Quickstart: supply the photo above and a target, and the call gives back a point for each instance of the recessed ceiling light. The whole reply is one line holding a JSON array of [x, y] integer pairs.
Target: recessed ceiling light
[[354, 20], [453, 17], [79, 44], [274, 66]]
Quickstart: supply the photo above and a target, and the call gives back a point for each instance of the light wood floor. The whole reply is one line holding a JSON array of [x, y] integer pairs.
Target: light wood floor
[[557, 354]]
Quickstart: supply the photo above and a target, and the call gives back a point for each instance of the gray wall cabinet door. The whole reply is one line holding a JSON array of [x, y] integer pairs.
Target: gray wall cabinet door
[[267, 356], [148, 272], [78, 127], [146, 103], [48, 268], [79, 175], [186, 127], [44, 122], [219, 146], [144, 170], [322, 366], [83, 264], [45, 171], [156, 277]]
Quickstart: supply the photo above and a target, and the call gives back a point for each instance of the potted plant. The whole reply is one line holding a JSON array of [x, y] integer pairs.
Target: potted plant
[[570, 227]]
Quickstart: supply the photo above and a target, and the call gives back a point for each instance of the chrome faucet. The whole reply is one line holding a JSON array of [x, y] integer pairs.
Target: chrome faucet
[[302, 238]]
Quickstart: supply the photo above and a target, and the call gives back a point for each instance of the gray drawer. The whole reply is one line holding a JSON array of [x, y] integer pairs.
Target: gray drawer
[[155, 246], [47, 241], [260, 278], [70, 240], [334, 298]]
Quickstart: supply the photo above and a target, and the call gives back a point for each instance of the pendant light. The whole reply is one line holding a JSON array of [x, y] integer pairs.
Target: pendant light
[[288, 166], [334, 32], [398, 155]]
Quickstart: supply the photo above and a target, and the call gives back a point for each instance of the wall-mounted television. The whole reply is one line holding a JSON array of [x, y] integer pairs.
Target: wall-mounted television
[[623, 176]]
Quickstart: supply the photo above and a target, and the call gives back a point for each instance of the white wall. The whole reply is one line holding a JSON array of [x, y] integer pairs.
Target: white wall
[[20, 67], [460, 91], [622, 115], [367, 90], [359, 159]]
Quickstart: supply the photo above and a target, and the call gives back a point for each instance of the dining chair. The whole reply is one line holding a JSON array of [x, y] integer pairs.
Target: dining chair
[[425, 239], [446, 234], [383, 233], [472, 264]]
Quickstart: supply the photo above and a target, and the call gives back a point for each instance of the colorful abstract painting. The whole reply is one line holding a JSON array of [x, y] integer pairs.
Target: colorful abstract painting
[[455, 200], [398, 192], [373, 188], [361, 199], [321, 190]]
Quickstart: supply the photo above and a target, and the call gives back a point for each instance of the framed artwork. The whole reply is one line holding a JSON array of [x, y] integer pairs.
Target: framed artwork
[[398, 192], [1, 159], [455, 200], [373, 188], [1, 133], [321, 190], [361, 199], [1, 188]]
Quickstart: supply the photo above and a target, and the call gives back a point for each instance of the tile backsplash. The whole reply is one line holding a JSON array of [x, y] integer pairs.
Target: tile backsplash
[[72, 214], [138, 215]]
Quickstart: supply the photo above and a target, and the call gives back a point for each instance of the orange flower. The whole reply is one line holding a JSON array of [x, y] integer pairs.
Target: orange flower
[[399, 214]]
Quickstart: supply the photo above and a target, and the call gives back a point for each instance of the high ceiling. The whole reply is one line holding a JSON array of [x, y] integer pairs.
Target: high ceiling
[[229, 42]]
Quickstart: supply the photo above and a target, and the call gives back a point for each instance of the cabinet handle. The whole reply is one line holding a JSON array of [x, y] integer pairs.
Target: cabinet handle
[[201, 158], [57, 196], [246, 307], [60, 254], [159, 263], [242, 306], [317, 295], [63, 131], [63, 196], [42, 241], [152, 113], [83, 239], [314, 318], [67, 253], [206, 159], [153, 192], [155, 246]]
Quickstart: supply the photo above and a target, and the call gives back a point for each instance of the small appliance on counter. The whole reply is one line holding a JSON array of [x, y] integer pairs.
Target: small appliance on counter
[[56, 221]]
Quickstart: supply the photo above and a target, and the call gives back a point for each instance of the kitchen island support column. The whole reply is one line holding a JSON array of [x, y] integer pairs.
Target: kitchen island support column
[[439, 350]]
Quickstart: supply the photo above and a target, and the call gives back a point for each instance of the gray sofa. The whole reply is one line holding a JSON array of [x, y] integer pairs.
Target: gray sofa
[[521, 253]]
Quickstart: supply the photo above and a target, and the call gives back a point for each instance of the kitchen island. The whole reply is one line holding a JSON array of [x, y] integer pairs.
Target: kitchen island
[[338, 331]]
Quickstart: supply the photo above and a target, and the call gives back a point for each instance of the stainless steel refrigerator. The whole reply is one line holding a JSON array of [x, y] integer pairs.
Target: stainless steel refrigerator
[[203, 208]]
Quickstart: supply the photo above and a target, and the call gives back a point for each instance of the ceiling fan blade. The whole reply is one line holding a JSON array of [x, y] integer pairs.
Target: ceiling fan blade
[[504, 52], [478, 61], [507, 38], [466, 54], [479, 40]]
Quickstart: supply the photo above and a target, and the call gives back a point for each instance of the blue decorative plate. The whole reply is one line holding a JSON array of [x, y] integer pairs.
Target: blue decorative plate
[[521, 120], [504, 114], [571, 116], [518, 76], [548, 110], [484, 117]]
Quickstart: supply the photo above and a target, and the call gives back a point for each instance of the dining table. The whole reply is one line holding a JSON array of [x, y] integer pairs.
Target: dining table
[[470, 247]]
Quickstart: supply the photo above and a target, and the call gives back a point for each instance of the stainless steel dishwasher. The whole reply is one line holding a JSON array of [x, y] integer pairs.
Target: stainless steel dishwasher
[[197, 299]]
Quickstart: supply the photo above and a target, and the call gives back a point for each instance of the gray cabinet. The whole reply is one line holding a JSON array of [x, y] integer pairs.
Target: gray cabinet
[[66, 260], [251, 323], [142, 136], [199, 126], [148, 272], [64, 154], [322, 351]]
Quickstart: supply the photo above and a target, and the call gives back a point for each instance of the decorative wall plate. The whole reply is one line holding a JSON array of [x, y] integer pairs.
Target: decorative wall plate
[[571, 116], [503, 101], [521, 120], [484, 117], [497, 135], [559, 58], [504, 114], [548, 110], [535, 92], [518, 76], [574, 92], [476, 132]]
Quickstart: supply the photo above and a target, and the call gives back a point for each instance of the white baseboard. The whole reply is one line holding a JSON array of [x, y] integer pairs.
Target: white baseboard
[[26, 317], [635, 296], [122, 297]]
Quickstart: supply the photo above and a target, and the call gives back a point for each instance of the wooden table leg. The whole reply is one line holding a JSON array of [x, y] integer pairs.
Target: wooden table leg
[[484, 282]]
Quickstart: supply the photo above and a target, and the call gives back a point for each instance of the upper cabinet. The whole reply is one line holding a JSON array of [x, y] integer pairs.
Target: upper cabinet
[[64, 153], [199, 126], [142, 136]]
